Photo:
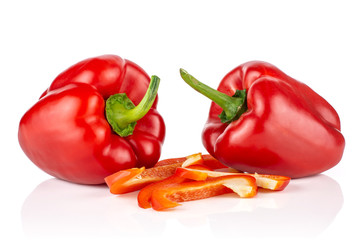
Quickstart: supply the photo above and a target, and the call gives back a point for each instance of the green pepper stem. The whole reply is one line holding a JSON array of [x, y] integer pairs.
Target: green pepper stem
[[122, 114], [144, 106], [232, 107]]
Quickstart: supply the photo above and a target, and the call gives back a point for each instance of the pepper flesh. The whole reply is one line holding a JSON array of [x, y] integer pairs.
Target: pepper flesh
[[145, 194], [207, 160], [133, 179], [279, 126], [67, 135], [168, 196], [271, 182]]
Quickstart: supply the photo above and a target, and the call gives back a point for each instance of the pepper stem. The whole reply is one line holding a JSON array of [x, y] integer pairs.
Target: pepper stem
[[232, 107], [121, 112]]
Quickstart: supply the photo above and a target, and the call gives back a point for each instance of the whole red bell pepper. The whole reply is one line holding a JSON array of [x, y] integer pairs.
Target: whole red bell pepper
[[96, 118], [263, 121]]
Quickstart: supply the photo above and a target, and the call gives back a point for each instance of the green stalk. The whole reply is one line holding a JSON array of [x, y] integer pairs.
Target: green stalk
[[232, 107], [122, 114]]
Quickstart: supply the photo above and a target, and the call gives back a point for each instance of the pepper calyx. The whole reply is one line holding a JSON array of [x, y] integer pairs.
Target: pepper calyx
[[121, 112], [241, 95]]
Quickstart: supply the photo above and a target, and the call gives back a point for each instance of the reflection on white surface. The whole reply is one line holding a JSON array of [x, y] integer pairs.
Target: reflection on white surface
[[304, 209]]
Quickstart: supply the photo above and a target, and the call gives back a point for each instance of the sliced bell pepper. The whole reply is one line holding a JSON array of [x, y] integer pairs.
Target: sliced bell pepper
[[271, 182], [194, 159], [123, 181], [144, 196], [168, 196], [170, 161], [133, 179], [212, 162], [207, 160]]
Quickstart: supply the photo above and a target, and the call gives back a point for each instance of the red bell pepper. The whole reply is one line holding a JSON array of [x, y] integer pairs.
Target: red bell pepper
[[263, 121], [67, 134]]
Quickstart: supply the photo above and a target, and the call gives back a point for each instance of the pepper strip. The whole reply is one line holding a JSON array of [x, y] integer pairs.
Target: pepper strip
[[144, 196], [133, 179], [168, 196], [207, 159], [194, 159], [212, 162], [272, 182], [170, 161]]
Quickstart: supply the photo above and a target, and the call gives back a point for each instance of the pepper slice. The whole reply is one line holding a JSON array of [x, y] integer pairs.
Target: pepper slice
[[169, 196], [145, 194], [271, 182], [194, 159], [133, 179], [212, 162], [170, 161]]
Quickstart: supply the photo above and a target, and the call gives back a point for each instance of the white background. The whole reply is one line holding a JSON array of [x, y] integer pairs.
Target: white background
[[316, 42]]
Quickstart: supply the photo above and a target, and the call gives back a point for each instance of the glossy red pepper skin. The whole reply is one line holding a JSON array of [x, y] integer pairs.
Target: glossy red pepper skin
[[66, 133], [288, 129]]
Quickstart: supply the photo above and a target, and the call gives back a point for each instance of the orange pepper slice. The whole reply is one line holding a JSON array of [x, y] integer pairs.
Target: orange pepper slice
[[272, 182], [190, 178], [207, 160], [119, 182], [145, 194], [133, 179], [169, 195], [212, 162], [170, 161]]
